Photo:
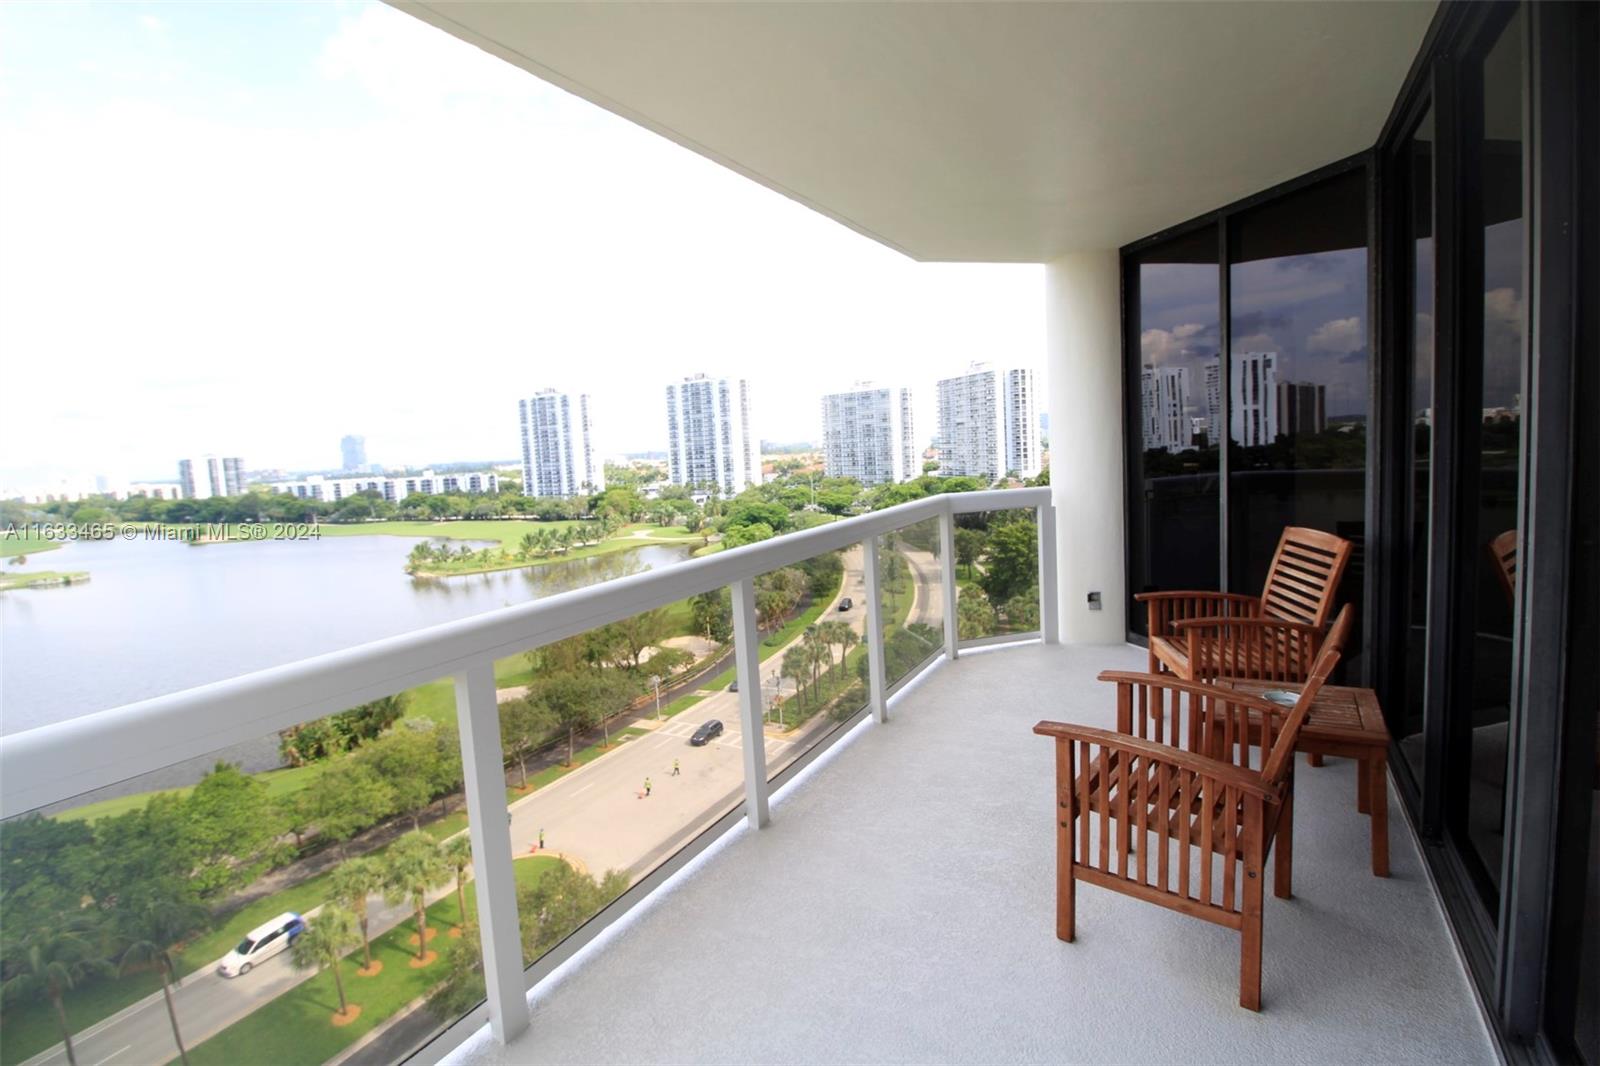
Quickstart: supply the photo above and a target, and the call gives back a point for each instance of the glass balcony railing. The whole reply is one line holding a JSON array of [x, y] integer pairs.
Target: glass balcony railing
[[390, 845]]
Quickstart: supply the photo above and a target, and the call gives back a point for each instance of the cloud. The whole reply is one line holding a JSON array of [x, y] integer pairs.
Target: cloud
[[1339, 336], [1161, 346]]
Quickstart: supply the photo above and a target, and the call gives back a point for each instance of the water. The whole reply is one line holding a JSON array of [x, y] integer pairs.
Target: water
[[160, 617]]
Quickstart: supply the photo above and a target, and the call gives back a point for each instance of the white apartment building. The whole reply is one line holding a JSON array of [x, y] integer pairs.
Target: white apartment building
[[1164, 391], [868, 434], [710, 440], [989, 423], [559, 457], [202, 477], [1253, 399], [393, 487]]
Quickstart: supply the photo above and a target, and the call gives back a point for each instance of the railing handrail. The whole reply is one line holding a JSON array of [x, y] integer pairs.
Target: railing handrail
[[55, 762]]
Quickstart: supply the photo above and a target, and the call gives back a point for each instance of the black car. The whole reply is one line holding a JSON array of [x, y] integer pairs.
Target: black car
[[846, 603], [707, 730]]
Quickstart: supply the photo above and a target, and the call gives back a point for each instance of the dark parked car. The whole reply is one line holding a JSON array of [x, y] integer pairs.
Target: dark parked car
[[846, 603], [703, 735]]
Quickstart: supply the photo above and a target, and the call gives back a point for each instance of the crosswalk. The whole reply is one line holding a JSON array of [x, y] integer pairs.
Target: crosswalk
[[730, 738]]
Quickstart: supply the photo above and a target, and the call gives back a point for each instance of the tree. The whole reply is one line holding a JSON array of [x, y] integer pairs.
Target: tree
[[413, 868], [739, 536], [151, 930], [523, 724], [797, 665], [1022, 610], [974, 617], [560, 901], [407, 761], [462, 988], [713, 615], [969, 545], [457, 852], [53, 960], [350, 884], [230, 830], [1013, 561], [323, 945], [347, 798], [570, 699]]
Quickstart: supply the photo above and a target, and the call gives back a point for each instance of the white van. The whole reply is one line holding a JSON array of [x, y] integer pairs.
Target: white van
[[261, 943]]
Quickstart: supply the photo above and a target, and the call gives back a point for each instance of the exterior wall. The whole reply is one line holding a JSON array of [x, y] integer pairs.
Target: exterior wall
[[1020, 406], [559, 457], [1253, 396], [393, 489], [970, 425], [1083, 337], [867, 434], [353, 452], [204, 476], [710, 439]]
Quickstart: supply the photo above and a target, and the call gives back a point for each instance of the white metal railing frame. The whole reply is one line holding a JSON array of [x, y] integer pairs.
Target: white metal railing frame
[[66, 759]]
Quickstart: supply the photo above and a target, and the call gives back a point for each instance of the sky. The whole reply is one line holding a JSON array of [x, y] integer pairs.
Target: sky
[[250, 229]]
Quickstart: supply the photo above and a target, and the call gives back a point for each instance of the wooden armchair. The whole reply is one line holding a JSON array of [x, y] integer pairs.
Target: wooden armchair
[[1180, 806], [1300, 585]]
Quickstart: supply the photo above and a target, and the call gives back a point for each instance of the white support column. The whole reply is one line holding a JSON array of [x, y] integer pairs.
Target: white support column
[[747, 668], [947, 573], [483, 772], [876, 683], [1083, 361], [1049, 594]]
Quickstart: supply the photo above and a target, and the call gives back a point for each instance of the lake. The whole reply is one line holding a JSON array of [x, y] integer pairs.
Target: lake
[[162, 616]]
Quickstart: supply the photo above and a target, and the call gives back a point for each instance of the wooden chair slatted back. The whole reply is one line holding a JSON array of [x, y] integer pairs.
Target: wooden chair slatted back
[[1304, 574], [1504, 550]]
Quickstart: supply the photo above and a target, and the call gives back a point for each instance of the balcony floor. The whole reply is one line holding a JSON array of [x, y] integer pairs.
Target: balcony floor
[[900, 908]]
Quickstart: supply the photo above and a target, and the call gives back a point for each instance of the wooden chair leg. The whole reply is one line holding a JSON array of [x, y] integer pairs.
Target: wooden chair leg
[[1378, 778], [1313, 759], [1250, 945], [1283, 857], [1066, 887]]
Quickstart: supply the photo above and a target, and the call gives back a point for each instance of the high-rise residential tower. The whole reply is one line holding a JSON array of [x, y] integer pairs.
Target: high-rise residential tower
[[709, 437], [205, 476], [867, 434], [353, 452], [1302, 407], [559, 457], [989, 423], [1253, 399], [1164, 391]]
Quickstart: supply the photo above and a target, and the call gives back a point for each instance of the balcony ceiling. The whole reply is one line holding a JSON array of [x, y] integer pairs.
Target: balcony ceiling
[[980, 132]]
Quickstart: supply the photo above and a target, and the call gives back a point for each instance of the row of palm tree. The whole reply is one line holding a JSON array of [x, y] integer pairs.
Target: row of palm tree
[[812, 659]]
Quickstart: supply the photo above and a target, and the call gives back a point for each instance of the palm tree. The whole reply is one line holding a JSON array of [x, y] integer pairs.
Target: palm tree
[[796, 664], [457, 853], [350, 885], [151, 932], [324, 943], [528, 545], [53, 960], [817, 648], [414, 867]]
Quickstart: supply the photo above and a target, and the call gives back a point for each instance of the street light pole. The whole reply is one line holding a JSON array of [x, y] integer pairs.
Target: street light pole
[[655, 679]]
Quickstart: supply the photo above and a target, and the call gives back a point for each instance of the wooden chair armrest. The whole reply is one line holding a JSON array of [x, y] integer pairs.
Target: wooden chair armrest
[[1224, 773], [1198, 688]]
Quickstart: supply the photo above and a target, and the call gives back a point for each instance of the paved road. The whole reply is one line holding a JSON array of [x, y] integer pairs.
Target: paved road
[[595, 816]]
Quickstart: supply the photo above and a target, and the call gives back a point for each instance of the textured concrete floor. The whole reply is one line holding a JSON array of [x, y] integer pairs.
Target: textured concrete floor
[[899, 909]]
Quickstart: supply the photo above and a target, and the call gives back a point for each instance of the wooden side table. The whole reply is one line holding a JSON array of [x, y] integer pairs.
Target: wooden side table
[[1347, 722]]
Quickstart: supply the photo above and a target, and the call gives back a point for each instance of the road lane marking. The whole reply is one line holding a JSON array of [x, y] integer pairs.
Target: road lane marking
[[113, 1055]]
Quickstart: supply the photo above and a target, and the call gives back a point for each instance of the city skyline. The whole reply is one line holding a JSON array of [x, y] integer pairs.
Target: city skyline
[[310, 113]]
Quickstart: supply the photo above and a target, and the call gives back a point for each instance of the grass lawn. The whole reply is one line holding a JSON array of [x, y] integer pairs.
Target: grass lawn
[[507, 532], [22, 543], [297, 1027], [20, 579]]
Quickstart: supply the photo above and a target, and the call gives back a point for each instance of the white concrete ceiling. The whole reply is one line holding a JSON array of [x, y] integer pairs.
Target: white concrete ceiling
[[992, 132]]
